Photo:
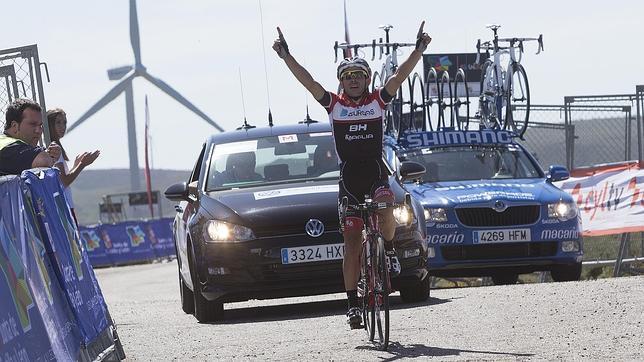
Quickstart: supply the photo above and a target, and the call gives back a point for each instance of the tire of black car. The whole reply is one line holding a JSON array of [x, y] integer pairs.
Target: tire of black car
[[566, 273], [187, 298], [416, 293], [205, 311]]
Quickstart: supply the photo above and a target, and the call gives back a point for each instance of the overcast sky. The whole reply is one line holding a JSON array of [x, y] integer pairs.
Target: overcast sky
[[199, 47]]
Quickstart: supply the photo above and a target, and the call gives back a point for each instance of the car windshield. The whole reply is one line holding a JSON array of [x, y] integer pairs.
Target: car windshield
[[474, 163], [273, 159]]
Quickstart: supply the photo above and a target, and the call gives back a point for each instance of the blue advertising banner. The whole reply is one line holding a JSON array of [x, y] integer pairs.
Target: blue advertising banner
[[35, 322], [128, 242], [70, 260]]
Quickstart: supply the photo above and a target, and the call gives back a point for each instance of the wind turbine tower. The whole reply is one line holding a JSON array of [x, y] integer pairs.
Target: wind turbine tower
[[125, 75]]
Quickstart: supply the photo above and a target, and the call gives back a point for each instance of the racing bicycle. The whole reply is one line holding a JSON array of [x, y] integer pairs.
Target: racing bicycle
[[374, 285], [505, 95]]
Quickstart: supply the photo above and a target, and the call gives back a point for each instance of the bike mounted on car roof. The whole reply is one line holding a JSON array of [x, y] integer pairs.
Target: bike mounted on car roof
[[416, 109], [423, 107], [503, 87]]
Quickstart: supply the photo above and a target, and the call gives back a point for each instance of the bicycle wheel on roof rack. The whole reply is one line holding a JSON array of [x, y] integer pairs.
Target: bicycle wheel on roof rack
[[518, 100], [406, 120], [376, 81], [393, 114], [418, 104], [461, 101], [433, 99], [445, 91]]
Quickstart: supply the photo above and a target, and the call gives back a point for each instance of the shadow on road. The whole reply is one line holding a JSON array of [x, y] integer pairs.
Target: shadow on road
[[306, 310], [399, 351]]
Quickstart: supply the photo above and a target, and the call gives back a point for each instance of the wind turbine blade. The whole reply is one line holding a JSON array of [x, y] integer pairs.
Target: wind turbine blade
[[179, 98], [113, 93], [134, 33]]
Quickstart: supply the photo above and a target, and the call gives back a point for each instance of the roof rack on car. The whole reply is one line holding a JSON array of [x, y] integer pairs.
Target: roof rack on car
[[245, 126], [308, 119]]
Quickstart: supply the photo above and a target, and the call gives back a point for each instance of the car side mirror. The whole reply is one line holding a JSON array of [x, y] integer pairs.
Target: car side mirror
[[410, 170], [558, 173], [177, 192]]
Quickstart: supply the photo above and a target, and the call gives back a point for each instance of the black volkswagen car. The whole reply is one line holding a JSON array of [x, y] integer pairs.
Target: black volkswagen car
[[258, 219]]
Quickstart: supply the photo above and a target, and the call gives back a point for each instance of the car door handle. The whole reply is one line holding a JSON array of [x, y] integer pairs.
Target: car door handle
[[178, 208]]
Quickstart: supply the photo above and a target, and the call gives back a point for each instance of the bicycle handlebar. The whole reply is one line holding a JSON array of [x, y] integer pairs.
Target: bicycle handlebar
[[489, 45], [373, 45]]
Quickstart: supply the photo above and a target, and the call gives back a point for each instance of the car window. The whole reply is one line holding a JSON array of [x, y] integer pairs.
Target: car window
[[474, 163], [194, 176], [273, 159]]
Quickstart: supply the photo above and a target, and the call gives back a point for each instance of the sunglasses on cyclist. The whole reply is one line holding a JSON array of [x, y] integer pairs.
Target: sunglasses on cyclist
[[353, 74]]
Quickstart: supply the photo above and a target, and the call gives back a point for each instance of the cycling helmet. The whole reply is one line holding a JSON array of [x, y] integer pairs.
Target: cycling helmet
[[355, 62]]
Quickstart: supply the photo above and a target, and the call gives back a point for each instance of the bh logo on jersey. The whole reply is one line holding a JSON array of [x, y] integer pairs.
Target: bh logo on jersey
[[358, 127]]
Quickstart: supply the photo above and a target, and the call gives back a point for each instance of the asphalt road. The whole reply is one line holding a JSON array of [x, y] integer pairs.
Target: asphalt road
[[597, 320]]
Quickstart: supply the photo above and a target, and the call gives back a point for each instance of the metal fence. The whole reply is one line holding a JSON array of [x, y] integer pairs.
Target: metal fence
[[605, 129], [547, 135], [20, 77]]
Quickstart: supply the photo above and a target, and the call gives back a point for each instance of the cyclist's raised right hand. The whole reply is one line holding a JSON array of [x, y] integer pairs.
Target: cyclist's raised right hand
[[280, 46]]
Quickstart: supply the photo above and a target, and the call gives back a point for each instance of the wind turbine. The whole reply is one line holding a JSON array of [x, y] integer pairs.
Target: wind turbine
[[125, 86]]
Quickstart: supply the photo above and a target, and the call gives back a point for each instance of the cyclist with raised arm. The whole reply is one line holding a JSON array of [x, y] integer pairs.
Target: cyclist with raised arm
[[357, 118]]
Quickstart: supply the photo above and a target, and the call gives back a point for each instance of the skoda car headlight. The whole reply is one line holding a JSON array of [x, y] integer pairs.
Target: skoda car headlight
[[216, 231], [562, 210], [403, 215], [436, 214]]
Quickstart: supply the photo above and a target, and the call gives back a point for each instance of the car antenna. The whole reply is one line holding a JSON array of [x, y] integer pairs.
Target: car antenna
[[268, 97], [244, 126], [308, 120]]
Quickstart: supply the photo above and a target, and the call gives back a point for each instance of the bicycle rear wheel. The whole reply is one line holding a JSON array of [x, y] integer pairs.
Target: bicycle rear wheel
[[461, 101], [381, 293], [518, 100], [488, 98]]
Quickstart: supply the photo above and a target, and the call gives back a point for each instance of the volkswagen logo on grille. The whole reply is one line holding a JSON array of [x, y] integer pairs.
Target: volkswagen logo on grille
[[314, 228], [500, 206]]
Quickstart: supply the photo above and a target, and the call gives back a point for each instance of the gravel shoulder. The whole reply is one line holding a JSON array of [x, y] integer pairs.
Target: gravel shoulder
[[596, 320]]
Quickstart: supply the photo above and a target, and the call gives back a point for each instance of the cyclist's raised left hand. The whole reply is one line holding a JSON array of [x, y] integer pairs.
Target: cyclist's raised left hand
[[422, 39], [280, 46]]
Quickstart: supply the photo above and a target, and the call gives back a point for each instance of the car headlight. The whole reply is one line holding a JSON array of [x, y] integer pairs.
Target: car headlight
[[403, 215], [216, 231], [436, 214], [562, 210]]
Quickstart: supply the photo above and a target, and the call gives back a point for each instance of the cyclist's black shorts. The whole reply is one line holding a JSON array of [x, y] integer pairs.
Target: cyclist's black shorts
[[360, 178]]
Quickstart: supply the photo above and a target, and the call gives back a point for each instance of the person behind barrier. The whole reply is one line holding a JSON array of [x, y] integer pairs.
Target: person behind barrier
[[357, 118], [57, 121], [19, 148]]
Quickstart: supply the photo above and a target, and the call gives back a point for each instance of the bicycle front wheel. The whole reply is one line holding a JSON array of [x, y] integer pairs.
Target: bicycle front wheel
[[382, 289], [518, 100], [365, 292]]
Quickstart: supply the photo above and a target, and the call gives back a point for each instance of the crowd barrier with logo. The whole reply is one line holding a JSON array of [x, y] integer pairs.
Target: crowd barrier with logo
[[128, 242], [51, 307]]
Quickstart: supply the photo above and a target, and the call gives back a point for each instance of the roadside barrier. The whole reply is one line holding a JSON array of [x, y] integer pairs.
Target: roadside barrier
[[128, 242], [51, 306]]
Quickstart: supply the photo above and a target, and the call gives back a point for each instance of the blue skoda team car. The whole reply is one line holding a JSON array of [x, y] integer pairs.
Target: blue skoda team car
[[490, 209]]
